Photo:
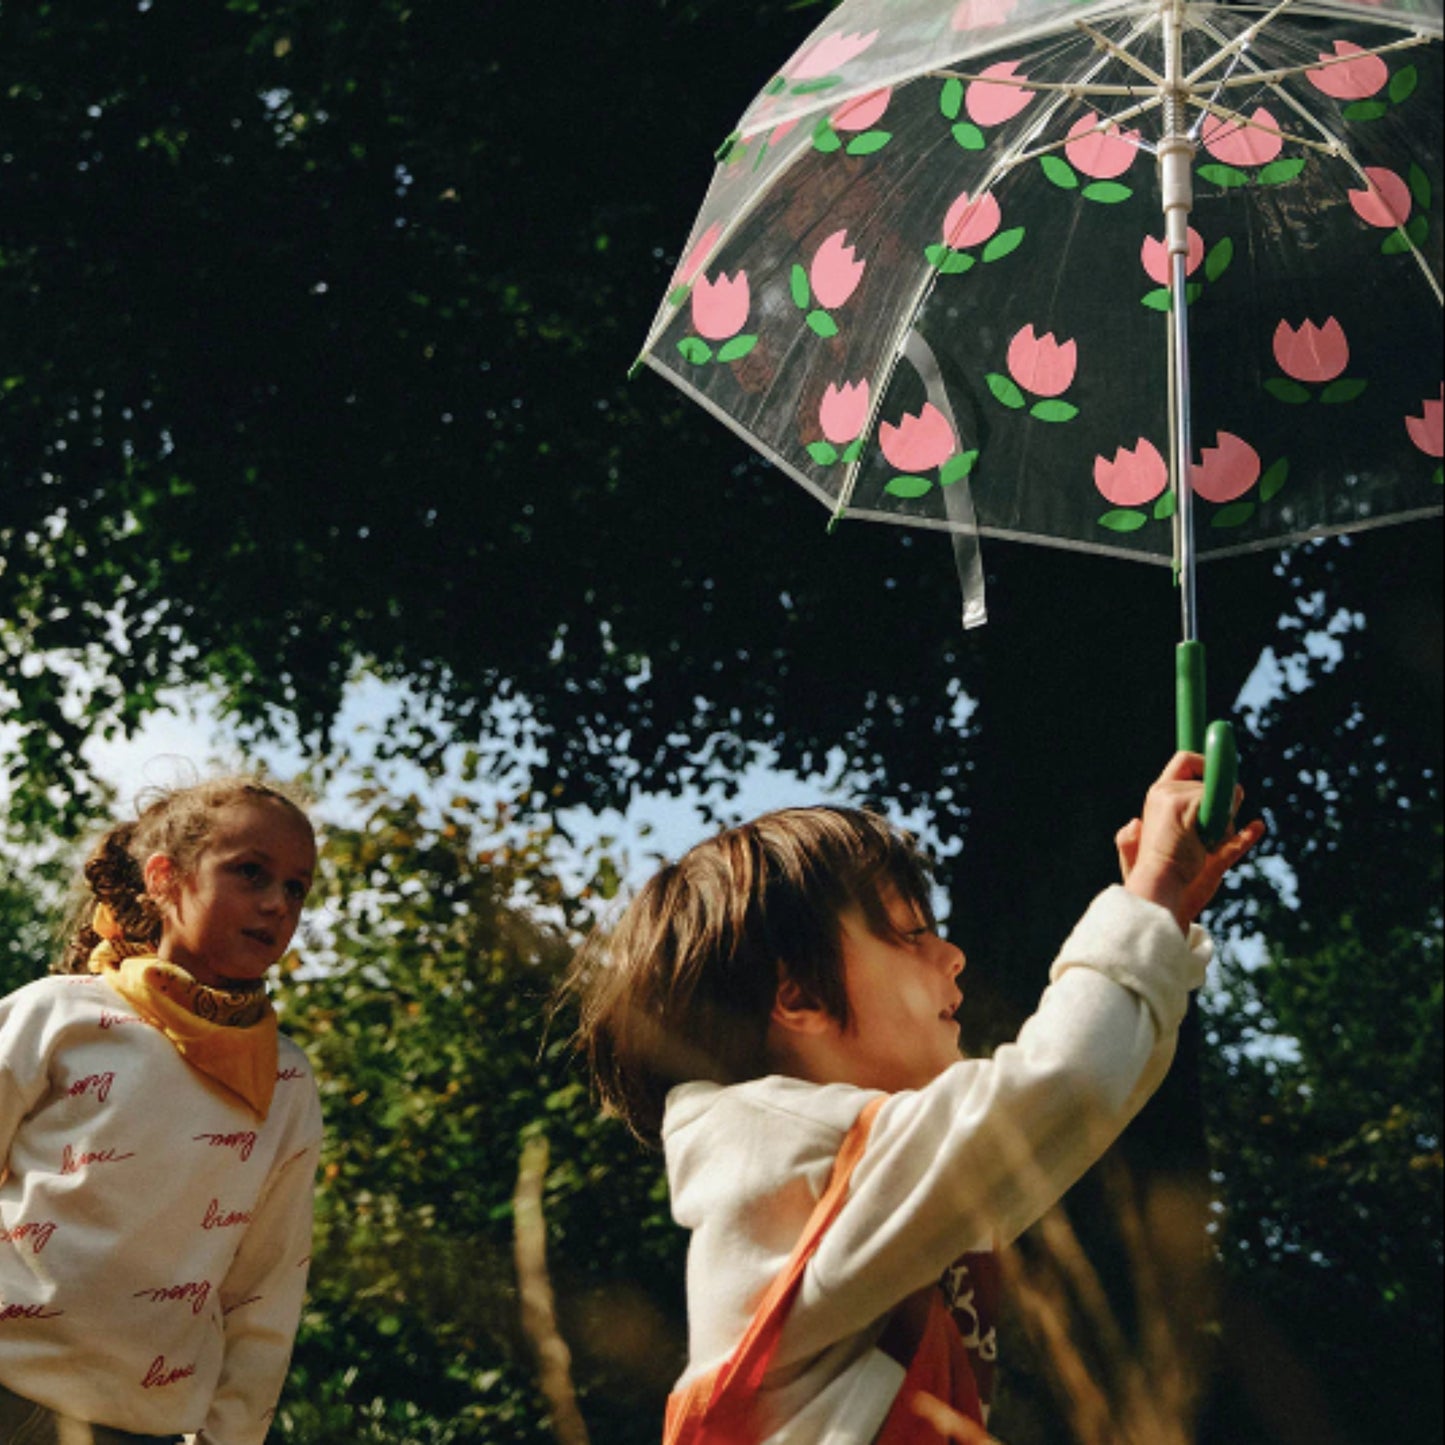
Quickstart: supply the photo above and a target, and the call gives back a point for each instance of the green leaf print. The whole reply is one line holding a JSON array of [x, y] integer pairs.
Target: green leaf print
[[1003, 244], [1157, 299], [1060, 172], [823, 453], [853, 451], [908, 488], [950, 98], [798, 285], [1106, 193], [1122, 519], [869, 142], [825, 138], [1218, 258], [820, 322], [695, 350], [737, 348], [1403, 83], [969, 136], [1279, 173], [1360, 110], [1343, 389], [1281, 388], [956, 468], [1275, 478], [1164, 507], [1236, 514], [1005, 390], [1053, 410], [1420, 186], [1222, 175]]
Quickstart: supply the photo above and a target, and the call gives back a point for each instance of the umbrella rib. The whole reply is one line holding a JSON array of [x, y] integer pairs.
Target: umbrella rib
[[1231, 47], [1127, 57], [893, 350], [1285, 71], [1335, 145]]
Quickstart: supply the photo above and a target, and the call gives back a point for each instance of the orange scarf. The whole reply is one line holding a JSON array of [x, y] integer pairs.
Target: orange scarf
[[228, 1034]]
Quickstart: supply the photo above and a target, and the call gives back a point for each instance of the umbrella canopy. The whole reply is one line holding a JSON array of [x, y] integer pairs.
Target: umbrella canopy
[[930, 280]]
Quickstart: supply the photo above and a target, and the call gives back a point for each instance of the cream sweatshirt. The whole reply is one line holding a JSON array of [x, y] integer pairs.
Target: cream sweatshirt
[[154, 1233], [965, 1164]]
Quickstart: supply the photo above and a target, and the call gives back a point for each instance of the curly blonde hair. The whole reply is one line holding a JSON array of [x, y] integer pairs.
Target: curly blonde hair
[[173, 821]]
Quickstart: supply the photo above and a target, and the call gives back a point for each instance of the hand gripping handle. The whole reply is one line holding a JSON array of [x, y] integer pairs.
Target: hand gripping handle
[[1221, 758]]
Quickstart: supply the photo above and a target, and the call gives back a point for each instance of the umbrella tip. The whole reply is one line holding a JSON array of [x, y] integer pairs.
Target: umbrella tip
[[636, 365], [835, 519]]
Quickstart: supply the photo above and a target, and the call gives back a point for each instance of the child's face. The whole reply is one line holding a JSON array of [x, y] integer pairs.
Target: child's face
[[903, 995], [232, 916]]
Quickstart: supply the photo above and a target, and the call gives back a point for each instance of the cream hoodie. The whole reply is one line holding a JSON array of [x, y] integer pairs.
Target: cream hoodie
[[965, 1164], [154, 1233]]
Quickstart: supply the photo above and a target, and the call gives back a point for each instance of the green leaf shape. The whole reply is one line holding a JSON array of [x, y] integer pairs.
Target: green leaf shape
[[1222, 175], [1281, 388], [1279, 173], [1165, 506], [1157, 299], [1343, 388], [823, 324], [1106, 193], [1123, 519], [1060, 172], [1236, 514], [908, 488], [737, 348], [826, 139], [1053, 409], [950, 98], [948, 261], [869, 142], [957, 467], [1420, 186], [695, 350], [777, 83], [724, 153], [798, 285], [812, 87], [1359, 110], [969, 136], [824, 453], [678, 295], [1003, 244], [1218, 258], [1273, 479], [1403, 83], [853, 450], [1005, 390], [1417, 230], [1439, 477]]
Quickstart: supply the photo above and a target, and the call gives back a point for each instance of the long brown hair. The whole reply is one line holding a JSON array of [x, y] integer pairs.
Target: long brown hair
[[684, 985], [173, 821]]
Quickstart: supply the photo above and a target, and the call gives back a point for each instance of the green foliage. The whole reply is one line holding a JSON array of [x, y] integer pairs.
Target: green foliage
[[441, 940]]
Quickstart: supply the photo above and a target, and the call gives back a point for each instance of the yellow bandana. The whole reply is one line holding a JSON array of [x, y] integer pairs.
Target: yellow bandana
[[228, 1034]]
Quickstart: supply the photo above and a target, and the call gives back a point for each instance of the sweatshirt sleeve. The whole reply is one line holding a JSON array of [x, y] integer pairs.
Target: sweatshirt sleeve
[[262, 1296], [24, 1068], [973, 1159]]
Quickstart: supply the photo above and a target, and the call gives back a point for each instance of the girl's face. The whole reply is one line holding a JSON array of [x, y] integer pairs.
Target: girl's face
[[232, 916]]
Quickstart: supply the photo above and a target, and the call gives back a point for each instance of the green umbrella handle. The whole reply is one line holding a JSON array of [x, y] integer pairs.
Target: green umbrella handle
[[1221, 758]]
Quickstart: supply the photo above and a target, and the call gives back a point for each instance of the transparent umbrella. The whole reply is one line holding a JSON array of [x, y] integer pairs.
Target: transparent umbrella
[[1159, 280]]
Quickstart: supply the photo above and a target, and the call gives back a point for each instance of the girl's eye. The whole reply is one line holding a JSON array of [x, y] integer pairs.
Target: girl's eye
[[296, 891], [250, 870]]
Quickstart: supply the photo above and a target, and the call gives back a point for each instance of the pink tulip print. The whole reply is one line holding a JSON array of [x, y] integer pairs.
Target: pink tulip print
[[992, 99], [1225, 471], [1154, 257], [1345, 79], [1134, 477], [1385, 202], [1311, 353], [863, 112], [829, 55], [971, 220], [1103, 153], [1237, 143], [1041, 364], [720, 308], [919, 442], [843, 412], [1427, 430], [835, 272], [981, 14], [695, 260]]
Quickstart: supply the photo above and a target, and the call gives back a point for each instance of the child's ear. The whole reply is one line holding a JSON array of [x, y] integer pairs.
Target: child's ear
[[160, 876], [797, 1011]]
